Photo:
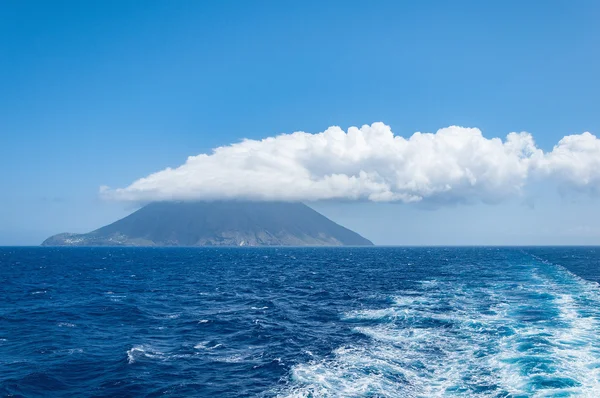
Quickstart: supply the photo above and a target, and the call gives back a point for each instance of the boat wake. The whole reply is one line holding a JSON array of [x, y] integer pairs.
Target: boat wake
[[529, 330]]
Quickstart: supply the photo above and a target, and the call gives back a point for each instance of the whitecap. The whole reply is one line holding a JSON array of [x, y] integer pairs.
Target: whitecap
[[230, 359], [138, 352], [204, 345]]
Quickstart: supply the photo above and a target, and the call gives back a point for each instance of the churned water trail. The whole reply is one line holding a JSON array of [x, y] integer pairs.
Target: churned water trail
[[300, 322], [529, 329]]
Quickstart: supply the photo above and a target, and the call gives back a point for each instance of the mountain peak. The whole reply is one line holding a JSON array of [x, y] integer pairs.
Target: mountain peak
[[218, 223]]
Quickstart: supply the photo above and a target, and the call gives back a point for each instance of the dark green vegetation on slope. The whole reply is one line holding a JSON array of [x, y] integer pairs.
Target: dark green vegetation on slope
[[220, 223]]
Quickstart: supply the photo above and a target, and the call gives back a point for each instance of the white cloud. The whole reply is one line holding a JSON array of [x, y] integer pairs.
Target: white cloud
[[370, 163], [574, 161]]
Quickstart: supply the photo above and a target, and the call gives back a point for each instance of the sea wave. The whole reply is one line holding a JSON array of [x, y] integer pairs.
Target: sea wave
[[534, 334], [389, 322]]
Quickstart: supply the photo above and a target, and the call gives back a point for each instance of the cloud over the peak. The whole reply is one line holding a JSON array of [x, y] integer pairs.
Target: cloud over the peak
[[371, 163]]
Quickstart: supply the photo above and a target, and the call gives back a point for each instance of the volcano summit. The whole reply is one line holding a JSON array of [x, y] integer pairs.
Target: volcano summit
[[219, 223]]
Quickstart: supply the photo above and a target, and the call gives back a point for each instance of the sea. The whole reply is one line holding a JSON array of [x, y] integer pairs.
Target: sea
[[300, 322]]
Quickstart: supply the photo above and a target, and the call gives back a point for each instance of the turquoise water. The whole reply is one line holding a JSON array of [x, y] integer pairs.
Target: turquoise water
[[304, 322]]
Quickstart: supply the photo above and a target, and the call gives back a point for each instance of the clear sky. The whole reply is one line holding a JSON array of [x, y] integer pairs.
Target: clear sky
[[107, 92]]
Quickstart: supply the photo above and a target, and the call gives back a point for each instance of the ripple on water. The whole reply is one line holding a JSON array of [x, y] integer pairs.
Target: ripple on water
[[536, 346], [306, 322]]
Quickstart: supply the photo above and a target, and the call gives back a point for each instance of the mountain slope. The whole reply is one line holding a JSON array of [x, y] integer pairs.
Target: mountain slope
[[221, 223]]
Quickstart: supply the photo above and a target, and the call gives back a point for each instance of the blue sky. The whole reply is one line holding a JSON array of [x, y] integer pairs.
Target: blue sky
[[104, 93]]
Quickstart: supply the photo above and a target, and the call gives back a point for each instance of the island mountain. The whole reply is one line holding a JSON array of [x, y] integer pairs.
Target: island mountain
[[218, 223]]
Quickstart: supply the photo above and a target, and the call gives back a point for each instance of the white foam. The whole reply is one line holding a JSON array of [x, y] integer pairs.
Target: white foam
[[142, 351], [204, 346], [372, 314], [230, 359], [469, 341]]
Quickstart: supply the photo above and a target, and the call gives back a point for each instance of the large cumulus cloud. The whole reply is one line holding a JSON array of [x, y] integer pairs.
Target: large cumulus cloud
[[371, 163]]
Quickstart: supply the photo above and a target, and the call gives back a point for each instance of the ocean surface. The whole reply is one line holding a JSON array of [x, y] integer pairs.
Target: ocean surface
[[300, 322]]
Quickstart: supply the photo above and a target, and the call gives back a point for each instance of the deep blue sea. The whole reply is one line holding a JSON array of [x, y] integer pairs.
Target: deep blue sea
[[300, 322]]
